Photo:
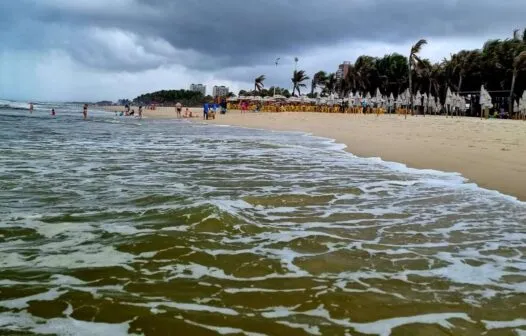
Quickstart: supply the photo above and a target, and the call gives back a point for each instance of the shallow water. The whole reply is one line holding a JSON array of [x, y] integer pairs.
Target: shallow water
[[116, 226]]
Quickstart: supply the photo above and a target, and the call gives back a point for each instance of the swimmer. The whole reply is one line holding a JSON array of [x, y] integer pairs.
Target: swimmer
[[52, 112], [85, 111], [30, 107]]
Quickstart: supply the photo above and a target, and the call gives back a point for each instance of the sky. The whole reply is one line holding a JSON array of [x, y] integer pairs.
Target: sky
[[90, 50]]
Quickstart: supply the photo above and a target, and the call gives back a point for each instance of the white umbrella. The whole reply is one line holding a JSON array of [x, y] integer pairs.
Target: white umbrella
[[418, 99], [449, 97]]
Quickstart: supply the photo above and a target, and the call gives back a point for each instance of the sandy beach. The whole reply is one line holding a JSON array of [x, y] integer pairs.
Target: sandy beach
[[491, 153]]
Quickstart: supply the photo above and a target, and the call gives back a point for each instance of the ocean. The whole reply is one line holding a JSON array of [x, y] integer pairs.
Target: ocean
[[116, 226]]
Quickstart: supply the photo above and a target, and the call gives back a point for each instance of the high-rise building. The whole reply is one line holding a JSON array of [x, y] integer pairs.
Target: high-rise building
[[220, 91], [343, 70], [198, 88]]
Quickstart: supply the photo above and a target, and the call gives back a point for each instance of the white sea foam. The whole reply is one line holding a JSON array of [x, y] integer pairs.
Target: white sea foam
[[382, 229]]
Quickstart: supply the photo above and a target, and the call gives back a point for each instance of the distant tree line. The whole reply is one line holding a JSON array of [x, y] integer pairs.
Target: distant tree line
[[171, 97]]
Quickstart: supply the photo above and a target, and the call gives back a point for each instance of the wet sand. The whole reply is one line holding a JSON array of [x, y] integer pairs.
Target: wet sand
[[491, 153]]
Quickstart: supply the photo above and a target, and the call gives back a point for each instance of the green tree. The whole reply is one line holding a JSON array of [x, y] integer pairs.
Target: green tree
[[258, 83], [330, 84], [298, 77], [318, 80], [412, 61], [519, 64]]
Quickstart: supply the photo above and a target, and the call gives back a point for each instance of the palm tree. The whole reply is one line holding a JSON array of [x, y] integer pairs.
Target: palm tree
[[318, 80], [298, 77], [330, 84], [413, 60], [365, 73], [348, 83], [258, 83], [519, 64]]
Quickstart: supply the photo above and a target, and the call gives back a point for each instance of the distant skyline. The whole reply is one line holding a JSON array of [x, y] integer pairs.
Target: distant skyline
[[87, 50]]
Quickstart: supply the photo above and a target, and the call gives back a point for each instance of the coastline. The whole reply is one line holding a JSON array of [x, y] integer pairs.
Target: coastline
[[490, 153]]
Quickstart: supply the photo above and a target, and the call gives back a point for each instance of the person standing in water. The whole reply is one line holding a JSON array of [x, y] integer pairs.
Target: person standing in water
[[178, 109], [85, 111], [30, 107], [52, 112], [140, 112]]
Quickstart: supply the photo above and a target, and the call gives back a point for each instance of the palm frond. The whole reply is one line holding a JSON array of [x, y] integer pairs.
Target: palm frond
[[516, 34], [418, 46]]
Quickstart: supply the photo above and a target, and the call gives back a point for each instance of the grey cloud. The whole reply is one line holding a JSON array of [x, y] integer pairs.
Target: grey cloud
[[208, 35]]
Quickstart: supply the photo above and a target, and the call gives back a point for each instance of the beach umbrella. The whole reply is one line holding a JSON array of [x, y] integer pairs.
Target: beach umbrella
[[378, 94], [357, 98], [449, 97], [418, 99], [522, 103], [399, 100], [279, 97], [390, 100]]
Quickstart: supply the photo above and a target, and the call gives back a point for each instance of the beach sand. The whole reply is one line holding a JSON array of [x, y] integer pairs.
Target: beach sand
[[491, 153]]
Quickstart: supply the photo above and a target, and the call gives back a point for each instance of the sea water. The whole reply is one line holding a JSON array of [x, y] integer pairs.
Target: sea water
[[116, 226]]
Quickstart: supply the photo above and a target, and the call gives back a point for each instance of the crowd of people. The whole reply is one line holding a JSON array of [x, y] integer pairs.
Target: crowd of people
[[210, 109]]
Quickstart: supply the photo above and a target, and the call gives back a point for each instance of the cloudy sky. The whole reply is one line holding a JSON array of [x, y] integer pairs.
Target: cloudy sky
[[111, 49]]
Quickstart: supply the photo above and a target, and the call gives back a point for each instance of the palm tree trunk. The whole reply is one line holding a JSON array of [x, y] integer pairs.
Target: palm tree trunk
[[511, 92], [410, 88]]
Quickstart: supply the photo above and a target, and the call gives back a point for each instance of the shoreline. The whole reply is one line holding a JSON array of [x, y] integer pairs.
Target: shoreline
[[490, 153], [497, 163]]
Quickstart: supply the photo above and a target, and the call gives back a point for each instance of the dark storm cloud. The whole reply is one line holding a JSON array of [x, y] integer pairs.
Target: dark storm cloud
[[209, 34]]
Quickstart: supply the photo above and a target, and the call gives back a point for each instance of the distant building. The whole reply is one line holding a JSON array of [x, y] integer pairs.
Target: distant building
[[198, 88], [343, 70], [220, 91]]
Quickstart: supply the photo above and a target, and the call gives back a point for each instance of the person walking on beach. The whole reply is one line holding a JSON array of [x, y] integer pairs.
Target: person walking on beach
[[223, 106], [243, 107], [178, 109], [85, 111], [206, 107]]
